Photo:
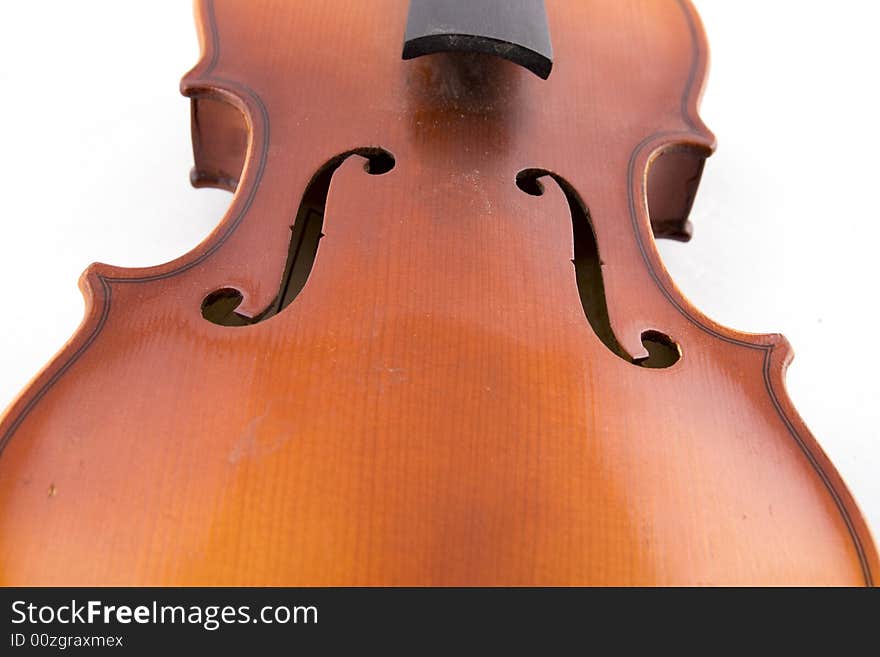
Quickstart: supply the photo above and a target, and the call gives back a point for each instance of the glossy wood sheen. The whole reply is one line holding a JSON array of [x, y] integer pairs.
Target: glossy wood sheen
[[433, 408]]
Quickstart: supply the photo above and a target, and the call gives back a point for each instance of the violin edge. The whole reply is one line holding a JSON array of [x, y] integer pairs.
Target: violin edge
[[778, 352]]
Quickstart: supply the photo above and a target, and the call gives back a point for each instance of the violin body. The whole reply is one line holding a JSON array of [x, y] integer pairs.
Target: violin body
[[475, 369]]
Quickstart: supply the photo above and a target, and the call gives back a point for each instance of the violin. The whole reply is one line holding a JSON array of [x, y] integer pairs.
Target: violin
[[432, 341]]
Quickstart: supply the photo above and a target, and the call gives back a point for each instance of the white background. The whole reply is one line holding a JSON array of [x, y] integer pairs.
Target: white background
[[96, 154]]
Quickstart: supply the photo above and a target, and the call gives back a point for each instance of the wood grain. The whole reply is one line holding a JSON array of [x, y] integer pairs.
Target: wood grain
[[434, 407]]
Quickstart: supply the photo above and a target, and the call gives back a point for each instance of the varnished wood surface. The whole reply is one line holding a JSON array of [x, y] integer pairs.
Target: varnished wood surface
[[433, 408]]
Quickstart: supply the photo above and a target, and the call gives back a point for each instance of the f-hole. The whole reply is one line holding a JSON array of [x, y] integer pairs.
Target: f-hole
[[662, 350], [219, 306]]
